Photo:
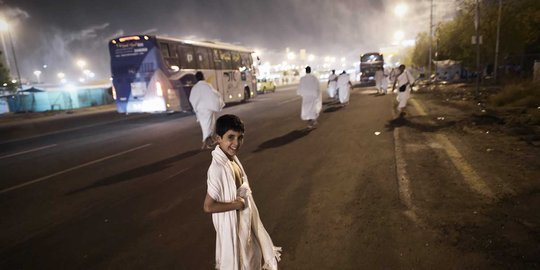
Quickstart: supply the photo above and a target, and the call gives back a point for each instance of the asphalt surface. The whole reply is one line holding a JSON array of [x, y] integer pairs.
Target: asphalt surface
[[365, 190]]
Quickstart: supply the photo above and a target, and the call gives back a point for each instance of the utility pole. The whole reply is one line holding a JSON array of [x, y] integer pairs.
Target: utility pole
[[497, 42], [430, 37], [476, 27]]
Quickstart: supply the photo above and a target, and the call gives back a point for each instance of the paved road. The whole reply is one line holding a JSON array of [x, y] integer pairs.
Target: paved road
[[128, 195]]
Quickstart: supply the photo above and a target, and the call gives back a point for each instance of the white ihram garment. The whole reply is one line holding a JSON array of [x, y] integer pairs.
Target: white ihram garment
[[404, 78], [343, 88], [379, 74], [309, 89], [332, 85], [384, 84], [206, 101], [241, 239]]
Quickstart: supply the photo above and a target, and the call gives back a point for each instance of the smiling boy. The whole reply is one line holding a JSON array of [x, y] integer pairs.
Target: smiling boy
[[241, 239]]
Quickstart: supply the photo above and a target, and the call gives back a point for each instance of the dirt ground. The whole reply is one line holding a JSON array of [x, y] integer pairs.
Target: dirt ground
[[503, 151]]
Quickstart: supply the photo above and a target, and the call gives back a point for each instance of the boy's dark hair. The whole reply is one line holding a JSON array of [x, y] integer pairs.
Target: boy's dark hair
[[199, 76], [228, 122], [308, 69]]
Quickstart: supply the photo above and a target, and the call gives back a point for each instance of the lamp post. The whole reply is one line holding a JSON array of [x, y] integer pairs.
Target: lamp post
[[497, 43], [477, 31], [430, 37], [4, 26]]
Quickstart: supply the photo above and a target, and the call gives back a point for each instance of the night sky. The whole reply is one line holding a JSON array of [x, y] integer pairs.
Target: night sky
[[58, 32]]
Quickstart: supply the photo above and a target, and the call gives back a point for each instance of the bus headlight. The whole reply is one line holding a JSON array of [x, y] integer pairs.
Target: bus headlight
[[159, 91], [113, 93]]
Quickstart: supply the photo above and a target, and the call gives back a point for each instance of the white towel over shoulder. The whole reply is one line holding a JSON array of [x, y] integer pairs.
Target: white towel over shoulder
[[241, 238]]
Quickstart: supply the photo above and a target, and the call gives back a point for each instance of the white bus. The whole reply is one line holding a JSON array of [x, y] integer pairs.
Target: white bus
[[156, 74]]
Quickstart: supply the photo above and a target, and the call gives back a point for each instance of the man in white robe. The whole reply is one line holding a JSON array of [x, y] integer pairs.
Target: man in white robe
[[332, 84], [384, 83], [242, 242], [344, 87], [379, 75], [206, 102], [404, 82], [309, 89]]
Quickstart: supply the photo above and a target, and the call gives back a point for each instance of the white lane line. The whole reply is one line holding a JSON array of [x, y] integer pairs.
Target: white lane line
[[469, 174], [69, 129], [404, 182], [177, 173], [289, 100], [72, 169], [28, 151]]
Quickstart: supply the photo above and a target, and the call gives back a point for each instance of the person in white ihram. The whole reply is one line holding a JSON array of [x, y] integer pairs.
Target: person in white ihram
[[309, 89], [242, 242], [384, 83], [332, 84], [379, 76], [344, 88], [404, 82], [206, 102]]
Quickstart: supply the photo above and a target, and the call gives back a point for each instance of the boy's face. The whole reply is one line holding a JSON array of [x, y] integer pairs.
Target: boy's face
[[231, 142]]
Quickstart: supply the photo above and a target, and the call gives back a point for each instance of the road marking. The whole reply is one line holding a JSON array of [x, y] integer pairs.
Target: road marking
[[289, 100], [72, 169], [28, 151], [467, 171], [177, 173], [70, 129], [470, 175], [404, 183], [418, 107]]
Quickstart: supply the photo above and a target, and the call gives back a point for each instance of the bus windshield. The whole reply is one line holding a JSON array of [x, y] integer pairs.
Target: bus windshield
[[369, 63]]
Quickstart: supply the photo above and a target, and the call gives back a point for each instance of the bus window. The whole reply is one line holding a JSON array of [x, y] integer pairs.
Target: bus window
[[187, 57], [217, 58], [225, 57], [170, 56], [203, 59], [245, 60], [164, 49], [236, 60]]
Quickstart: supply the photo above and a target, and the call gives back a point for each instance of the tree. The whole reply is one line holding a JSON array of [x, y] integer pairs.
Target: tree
[[4, 76], [519, 36], [420, 52]]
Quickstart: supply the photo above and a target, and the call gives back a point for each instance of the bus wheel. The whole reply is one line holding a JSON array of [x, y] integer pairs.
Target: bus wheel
[[247, 94]]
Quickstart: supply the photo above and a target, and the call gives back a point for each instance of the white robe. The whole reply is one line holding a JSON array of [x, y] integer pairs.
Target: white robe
[[384, 84], [379, 75], [343, 88], [309, 89], [241, 239], [206, 101], [402, 97], [332, 85]]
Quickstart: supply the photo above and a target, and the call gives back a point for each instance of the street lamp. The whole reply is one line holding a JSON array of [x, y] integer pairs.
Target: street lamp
[[291, 56], [4, 27], [37, 73], [400, 10], [398, 36], [81, 63], [62, 77]]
